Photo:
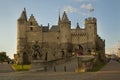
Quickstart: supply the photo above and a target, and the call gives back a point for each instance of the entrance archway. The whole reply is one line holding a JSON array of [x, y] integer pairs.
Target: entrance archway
[[25, 58]]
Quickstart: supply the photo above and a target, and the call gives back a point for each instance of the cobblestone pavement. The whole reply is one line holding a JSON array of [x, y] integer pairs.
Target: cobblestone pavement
[[110, 72]]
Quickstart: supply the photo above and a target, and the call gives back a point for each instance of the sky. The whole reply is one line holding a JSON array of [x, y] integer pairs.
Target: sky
[[107, 13]]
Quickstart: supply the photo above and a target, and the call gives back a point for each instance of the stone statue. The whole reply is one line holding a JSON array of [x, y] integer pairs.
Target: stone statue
[[36, 53]]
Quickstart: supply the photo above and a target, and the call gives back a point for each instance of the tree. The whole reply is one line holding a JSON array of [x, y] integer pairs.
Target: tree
[[3, 57]]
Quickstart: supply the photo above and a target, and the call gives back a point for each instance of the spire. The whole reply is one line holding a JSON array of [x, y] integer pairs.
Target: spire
[[78, 25], [23, 15], [59, 19], [64, 17]]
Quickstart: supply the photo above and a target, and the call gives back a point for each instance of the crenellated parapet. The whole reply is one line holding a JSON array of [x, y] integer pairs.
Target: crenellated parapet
[[99, 38], [100, 43], [90, 20], [79, 34]]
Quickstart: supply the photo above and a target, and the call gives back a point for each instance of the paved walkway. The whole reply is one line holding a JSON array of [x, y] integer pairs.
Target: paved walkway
[[5, 68], [110, 72], [112, 66]]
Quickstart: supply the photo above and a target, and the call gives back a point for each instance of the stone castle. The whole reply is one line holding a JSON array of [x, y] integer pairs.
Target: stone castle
[[56, 41]]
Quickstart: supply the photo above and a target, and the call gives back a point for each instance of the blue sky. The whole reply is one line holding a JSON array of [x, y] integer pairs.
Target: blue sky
[[107, 13]]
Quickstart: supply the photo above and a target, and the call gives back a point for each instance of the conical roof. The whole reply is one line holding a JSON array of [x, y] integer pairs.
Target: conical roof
[[64, 17], [23, 15]]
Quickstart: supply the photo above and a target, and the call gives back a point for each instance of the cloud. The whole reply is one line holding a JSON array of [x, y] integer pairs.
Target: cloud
[[113, 49], [83, 9], [87, 6], [84, 13], [70, 9]]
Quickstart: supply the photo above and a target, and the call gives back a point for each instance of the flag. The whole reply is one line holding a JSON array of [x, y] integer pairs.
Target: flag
[[91, 9]]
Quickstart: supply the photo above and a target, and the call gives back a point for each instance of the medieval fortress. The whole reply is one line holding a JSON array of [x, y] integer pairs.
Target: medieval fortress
[[55, 41]]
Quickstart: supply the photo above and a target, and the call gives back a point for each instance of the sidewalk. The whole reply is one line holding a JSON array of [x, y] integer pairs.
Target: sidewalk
[[111, 66], [109, 72], [5, 68]]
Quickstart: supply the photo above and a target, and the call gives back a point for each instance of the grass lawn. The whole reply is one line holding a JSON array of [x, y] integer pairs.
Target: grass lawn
[[21, 67], [97, 68]]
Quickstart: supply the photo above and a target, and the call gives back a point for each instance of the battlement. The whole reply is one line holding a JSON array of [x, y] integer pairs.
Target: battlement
[[99, 38], [79, 34], [90, 20]]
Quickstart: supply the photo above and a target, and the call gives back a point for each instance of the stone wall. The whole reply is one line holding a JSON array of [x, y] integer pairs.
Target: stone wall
[[71, 64], [51, 37]]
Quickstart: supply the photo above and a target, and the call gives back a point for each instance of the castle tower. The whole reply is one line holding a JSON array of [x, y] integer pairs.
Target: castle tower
[[65, 32], [91, 30], [21, 36]]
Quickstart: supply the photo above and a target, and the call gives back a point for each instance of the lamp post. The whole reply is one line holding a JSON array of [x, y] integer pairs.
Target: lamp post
[[78, 62], [64, 55], [22, 57], [65, 64], [22, 65], [46, 54]]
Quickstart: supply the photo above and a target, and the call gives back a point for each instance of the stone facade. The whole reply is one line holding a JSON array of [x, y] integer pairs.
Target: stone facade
[[56, 41]]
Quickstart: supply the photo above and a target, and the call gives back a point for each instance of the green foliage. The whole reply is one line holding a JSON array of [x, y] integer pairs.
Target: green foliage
[[97, 67], [4, 57], [21, 67], [118, 60]]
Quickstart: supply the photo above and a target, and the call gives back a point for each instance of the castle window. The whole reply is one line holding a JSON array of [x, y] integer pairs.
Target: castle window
[[63, 54], [57, 37], [31, 28], [31, 23]]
